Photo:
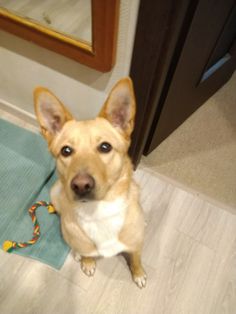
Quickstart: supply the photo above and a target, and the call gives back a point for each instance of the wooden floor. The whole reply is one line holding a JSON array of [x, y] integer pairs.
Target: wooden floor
[[189, 256]]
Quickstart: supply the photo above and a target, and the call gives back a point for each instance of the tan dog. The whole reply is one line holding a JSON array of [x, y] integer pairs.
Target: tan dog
[[96, 197]]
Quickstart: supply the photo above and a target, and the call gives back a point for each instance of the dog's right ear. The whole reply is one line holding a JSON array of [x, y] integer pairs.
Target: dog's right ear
[[50, 112]]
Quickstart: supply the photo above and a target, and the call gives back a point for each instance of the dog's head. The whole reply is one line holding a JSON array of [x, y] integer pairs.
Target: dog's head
[[91, 155]]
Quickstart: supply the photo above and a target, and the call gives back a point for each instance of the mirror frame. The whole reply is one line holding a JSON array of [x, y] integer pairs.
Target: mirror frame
[[100, 54]]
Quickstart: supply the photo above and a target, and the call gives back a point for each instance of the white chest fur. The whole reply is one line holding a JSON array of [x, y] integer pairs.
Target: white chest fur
[[102, 221]]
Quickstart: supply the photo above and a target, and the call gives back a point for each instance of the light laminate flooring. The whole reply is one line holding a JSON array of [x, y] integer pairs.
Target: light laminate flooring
[[189, 256]]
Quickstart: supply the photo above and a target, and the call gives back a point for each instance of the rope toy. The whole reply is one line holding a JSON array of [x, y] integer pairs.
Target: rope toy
[[9, 246]]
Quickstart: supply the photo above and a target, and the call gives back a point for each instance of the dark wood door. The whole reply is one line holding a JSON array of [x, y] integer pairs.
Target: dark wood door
[[199, 59]]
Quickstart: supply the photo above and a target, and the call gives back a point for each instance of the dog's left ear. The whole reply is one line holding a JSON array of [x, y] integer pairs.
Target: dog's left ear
[[119, 108]]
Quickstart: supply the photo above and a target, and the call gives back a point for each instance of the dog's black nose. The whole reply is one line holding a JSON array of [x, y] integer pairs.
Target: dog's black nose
[[82, 184]]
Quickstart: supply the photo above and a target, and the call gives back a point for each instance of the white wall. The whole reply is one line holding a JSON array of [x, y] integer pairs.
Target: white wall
[[24, 65]]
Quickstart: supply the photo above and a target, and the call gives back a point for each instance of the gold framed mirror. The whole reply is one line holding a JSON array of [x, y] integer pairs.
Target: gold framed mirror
[[93, 45]]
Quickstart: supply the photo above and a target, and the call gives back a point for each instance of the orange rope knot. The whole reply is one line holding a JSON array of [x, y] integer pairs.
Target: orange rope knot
[[9, 246]]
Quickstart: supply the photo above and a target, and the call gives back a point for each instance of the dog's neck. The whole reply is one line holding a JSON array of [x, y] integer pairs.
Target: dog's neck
[[100, 210]]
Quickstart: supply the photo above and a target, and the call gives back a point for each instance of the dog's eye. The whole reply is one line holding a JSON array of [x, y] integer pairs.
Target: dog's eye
[[66, 151], [104, 147]]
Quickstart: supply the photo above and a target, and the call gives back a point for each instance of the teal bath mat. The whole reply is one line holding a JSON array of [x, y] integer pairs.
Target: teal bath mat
[[26, 175]]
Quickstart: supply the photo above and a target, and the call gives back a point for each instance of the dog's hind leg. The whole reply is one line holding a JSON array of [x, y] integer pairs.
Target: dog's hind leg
[[137, 271]]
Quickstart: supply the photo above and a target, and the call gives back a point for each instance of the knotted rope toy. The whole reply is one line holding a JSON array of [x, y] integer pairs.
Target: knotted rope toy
[[9, 246]]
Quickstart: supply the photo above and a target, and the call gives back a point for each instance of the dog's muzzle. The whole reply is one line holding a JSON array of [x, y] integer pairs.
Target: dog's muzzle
[[83, 185]]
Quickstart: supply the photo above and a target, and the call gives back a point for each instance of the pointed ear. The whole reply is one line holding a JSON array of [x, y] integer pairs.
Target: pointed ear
[[50, 112], [119, 108]]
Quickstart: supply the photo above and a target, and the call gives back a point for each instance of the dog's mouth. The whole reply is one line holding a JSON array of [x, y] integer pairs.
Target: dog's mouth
[[84, 198]]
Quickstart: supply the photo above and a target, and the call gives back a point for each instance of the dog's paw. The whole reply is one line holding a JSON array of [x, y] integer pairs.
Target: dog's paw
[[76, 256], [88, 266], [140, 280]]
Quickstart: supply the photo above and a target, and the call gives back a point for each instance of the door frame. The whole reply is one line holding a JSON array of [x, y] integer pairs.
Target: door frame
[[206, 63], [161, 30], [160, 40]]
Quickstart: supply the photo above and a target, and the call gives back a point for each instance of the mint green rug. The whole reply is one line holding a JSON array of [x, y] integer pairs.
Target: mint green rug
[[27, 171]]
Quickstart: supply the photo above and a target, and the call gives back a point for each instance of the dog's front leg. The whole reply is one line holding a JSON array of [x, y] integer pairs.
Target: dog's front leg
[[88, 265], [76, 256], [137, 271]]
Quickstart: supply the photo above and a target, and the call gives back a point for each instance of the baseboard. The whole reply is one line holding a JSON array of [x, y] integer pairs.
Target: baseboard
[[188, 189], [18, 112]]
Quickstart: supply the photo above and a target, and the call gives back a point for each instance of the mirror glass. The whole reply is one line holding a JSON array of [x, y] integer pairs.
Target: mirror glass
[[69, 17]]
